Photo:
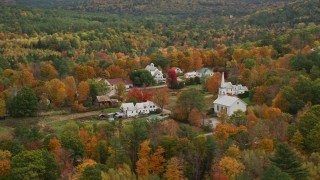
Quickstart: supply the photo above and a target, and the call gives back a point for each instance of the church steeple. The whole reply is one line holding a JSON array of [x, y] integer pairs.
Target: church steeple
[[222, 80]]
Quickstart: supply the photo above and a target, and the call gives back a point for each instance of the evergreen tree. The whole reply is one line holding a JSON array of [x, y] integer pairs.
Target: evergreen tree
[[274, 173], [287, 162], [24, 104]]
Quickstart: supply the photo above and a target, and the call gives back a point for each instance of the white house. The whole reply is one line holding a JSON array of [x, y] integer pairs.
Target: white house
[[226, 88], [146, 107], [131, 110], [192, 74], [128, 109], [230, 104], [155, 72], [205, 72]]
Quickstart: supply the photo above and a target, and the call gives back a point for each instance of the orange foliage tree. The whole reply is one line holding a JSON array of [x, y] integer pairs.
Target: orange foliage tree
[[195, 117], [137, 95], [150, 163], [5, 164], [231, 167], [83, 91], [117, 72], [161, 97], [174, 170], [71, 88], [214, 82], [83, 72]]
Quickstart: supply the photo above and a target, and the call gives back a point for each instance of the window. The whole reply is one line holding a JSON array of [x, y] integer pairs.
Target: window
[[237, 102], [218, 107]]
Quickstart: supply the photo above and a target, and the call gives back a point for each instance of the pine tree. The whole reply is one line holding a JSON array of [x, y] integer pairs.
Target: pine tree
[[286, 161], [274, 173]]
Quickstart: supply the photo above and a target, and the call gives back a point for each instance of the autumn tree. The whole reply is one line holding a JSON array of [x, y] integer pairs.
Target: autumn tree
[[54, 145], [161, 97], [48, 72], [121, 172], [195, 118], [150, 163], [231, 167], [117, 72], [57, 91], [83, 91], [139, 95], [172, 80], [71, 88], [83, 72], [214, 82], [175, 169], [97, 88], [188, 100], [5, 163], [297, 140], [120, 90], [3, 109]]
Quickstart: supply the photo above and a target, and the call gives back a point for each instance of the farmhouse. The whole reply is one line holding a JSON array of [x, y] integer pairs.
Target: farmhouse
[[155, 72], [128, 109], [226, 88], [131, 110], [230, 104]]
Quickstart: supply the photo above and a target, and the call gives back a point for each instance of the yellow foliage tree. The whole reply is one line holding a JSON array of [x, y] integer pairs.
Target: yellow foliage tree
[[148, 163], [234, 152], [231, 167]]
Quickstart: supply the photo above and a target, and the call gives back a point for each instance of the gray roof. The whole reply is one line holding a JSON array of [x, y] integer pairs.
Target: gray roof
[[227, 100], [204, 70]]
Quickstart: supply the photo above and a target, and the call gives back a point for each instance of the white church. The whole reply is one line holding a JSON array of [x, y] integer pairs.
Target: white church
[[227, 99], [155, 72]]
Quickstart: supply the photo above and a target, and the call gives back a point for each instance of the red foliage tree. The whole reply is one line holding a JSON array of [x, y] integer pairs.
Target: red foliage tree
[[172, 79], [137, 95]]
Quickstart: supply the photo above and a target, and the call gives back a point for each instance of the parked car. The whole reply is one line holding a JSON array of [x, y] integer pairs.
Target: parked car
[[118, 115]]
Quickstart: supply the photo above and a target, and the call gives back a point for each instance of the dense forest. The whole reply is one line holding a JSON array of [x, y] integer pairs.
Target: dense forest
[[52, 54]]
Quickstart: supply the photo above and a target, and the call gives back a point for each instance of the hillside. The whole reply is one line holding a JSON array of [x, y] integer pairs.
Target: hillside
[[186, 7]]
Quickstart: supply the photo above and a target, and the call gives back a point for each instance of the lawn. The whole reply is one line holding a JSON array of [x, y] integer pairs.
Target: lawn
[[4, 131], [111, 110]]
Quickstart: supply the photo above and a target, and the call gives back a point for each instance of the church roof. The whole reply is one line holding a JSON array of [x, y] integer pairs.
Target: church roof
[[227, 100]]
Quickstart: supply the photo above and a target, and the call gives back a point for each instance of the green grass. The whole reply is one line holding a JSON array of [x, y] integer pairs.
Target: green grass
[[196, 86], [5, 131], [111, 110]]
